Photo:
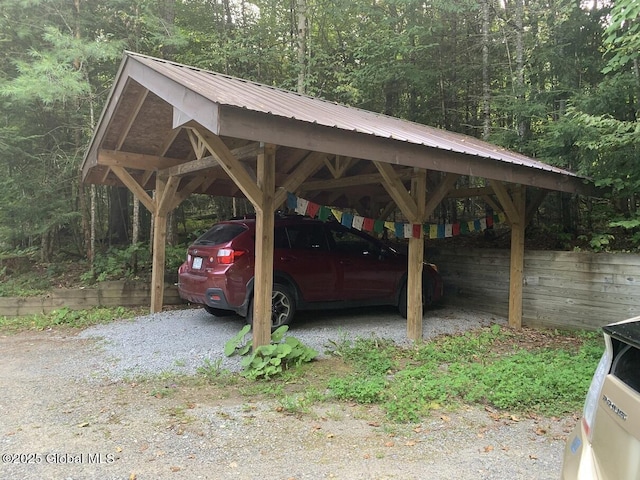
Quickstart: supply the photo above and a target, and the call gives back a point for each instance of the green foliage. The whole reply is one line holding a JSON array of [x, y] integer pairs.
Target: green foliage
[[66, 317], [467, 368], [599, 242], [622, 35], [119, 263], [578, 110], [267, 361]]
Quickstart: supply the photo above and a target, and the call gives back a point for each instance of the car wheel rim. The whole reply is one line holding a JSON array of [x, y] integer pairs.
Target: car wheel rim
[[280, 308]]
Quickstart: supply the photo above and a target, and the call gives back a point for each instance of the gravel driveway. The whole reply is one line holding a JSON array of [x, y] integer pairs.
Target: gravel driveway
[[73, 407]]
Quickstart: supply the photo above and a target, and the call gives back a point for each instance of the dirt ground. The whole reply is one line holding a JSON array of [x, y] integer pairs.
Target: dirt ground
[[59, 421]]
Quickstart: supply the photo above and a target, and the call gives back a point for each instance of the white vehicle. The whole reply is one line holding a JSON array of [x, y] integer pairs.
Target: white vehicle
[[605, 445]]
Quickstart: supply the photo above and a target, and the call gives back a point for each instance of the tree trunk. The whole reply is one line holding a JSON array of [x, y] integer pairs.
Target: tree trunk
[[486, 81], [302, 45], [118, 216], [519, 21]]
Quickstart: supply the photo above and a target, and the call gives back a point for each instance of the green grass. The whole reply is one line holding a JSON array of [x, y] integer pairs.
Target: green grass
[[486, 367], [65, 317]]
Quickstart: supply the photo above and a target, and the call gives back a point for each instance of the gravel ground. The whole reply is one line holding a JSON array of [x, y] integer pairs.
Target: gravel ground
[[181, 340], [72, 407]]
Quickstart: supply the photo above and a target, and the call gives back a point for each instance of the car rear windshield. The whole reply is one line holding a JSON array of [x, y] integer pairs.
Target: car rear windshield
[[220, 233], [626, 364]]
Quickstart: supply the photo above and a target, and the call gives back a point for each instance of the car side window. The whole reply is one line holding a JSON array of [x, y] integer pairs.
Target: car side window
[[345, 241], [307, 237], [280, 239]]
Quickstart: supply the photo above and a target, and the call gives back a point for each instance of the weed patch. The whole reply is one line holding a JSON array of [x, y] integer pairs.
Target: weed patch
[[483, 367]]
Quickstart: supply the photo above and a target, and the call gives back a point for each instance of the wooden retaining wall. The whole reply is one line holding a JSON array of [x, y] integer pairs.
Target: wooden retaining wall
[[106, 294], [561, 289]]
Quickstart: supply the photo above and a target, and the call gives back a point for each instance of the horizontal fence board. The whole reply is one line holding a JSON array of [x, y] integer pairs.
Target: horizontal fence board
[[106, 294], [561, 289]]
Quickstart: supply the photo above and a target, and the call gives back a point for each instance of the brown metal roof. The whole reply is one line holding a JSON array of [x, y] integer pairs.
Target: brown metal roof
[[141, 131], [226, 90]]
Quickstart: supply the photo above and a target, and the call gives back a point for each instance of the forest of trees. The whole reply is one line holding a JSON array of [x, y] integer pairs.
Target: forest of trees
[[557, 80]]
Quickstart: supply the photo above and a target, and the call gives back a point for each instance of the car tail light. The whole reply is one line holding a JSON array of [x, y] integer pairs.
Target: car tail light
[[227, 256], [593, 395]]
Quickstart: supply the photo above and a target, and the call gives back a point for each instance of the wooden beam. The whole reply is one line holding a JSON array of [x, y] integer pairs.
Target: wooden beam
[[231, 165], [339, 165], [395, 188], [194, 166], [241, 123], [489, 201], [265, 223], [187, 190], [416, 258], [166, 202], [135, 188], [352, 181], [516, 267], [534, 204], [506, 202], [159, 252], [440, 193], [310, 165], [135, 161]]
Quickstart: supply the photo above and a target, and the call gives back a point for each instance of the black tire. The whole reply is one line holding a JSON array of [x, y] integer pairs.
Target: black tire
[[283, 307], [402, 301], [218, 312], [426, 298]]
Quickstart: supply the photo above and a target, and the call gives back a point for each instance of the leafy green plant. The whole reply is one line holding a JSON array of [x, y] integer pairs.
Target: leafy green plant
[[267, 361], [599, 241]]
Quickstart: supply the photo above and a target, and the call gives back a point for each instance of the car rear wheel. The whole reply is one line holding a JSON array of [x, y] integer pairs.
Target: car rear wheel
[[426, 298], [283, 307], [218, 312]]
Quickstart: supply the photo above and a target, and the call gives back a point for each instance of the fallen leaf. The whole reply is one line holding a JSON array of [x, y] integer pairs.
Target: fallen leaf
[[175, 469], [533, 457], [317, 427], [330, 435], [410, 443], [541, 431], [488, 448], [133, 476], [374, 424], [118, 449], [389, 444], [445, 418]]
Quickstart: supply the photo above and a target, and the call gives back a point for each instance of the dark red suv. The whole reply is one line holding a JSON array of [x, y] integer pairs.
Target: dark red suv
[[316, 265]]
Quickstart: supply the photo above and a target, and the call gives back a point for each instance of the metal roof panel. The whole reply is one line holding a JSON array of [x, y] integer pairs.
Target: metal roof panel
[[226, 90]]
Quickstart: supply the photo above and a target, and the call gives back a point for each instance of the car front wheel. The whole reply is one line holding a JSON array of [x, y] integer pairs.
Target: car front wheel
[[282, 307]]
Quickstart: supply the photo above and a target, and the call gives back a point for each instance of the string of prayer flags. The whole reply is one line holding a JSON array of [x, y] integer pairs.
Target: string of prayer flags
[[399, 229]]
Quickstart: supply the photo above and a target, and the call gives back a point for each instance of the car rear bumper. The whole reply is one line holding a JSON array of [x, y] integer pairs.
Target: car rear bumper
[[579, 462], [194, 289]]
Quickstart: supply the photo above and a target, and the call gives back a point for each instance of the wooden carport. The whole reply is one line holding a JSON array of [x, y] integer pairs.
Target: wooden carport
[[175, 130]]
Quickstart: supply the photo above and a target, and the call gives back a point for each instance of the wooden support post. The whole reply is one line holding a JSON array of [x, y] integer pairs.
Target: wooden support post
[[516, 270], [159, 245], [415, 259], [265, 222]]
